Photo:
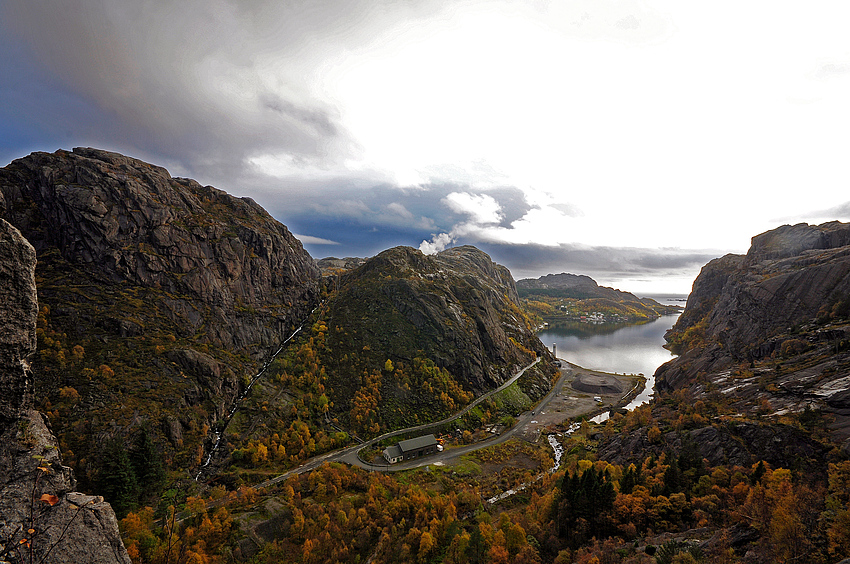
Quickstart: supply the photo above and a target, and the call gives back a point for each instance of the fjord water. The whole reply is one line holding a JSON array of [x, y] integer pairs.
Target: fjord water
[[621, 348]]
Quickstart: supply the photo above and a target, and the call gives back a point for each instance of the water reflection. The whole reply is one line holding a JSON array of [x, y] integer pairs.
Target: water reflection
[[625, 349]]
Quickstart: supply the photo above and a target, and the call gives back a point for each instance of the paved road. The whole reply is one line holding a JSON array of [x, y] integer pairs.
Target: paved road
[[349, 454]]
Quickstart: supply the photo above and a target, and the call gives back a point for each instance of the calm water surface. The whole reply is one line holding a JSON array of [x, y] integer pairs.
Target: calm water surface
[[629, 349]]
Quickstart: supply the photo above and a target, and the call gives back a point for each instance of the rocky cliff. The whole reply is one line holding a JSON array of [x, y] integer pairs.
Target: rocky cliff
[[41, 518], [224, 267], [770, 327], [158, 296]]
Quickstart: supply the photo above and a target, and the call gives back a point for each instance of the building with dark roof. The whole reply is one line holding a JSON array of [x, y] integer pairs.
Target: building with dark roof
[[411, 448]]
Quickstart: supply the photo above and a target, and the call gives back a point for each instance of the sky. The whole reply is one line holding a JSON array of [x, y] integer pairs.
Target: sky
[[626, 140]]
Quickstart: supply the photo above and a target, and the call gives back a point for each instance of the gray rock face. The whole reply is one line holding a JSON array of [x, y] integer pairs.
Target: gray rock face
[[793, 240], [17, 321], [741, 303], [122, 220], [41, 518], [36, 494]]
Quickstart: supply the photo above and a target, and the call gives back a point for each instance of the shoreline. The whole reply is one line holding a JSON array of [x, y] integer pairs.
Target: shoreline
[[572, 404]]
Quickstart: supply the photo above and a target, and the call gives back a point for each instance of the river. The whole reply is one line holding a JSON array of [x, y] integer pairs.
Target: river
[[620, 348]]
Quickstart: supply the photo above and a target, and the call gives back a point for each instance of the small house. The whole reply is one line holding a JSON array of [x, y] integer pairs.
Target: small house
[[411, 448]]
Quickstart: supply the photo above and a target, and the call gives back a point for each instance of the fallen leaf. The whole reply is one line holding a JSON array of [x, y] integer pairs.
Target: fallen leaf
[[49, 498]]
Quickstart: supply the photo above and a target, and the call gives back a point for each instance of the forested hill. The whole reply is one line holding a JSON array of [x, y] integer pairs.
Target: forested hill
[[403, 339], [457, 307]]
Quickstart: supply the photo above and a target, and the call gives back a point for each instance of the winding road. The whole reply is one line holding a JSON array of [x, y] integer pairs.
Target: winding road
[[350, 456]]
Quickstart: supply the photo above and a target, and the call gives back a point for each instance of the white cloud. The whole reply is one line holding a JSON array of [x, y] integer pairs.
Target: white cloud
[[481, 209], [438, 242], [398, 209]]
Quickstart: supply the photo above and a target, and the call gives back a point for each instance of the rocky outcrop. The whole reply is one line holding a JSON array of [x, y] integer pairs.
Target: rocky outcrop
[[223, 267], [729, 444], [41, 518], [17, 321], [794, 240], [740, 303], [457, 308]]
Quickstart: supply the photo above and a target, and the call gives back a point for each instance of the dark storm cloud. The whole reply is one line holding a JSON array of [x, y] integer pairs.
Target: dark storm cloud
[[199, 84], [532, 261], [368, 216], [568, 209], [841, 211]]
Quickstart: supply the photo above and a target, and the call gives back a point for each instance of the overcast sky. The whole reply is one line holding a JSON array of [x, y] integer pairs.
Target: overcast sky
[[629, 141]]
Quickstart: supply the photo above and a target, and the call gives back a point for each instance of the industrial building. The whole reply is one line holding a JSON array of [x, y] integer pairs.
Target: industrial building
[[411, 448]]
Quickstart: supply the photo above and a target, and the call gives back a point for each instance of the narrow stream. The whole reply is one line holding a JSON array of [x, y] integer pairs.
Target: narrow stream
[[217, 434]]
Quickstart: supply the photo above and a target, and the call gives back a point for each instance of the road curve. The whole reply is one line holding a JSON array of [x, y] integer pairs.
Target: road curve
[[349, 455]]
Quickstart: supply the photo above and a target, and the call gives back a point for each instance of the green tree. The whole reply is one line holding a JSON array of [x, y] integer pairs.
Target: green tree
[[672, 477], [583, 502], [147, 464], [116, 479]]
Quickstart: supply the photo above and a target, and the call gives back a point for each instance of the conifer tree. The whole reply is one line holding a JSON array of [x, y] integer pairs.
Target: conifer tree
[[147, 464], [116, 478]]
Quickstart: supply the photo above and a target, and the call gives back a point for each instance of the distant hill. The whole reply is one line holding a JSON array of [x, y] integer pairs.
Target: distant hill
[[581, 284], [331, 266], [569, 296]]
